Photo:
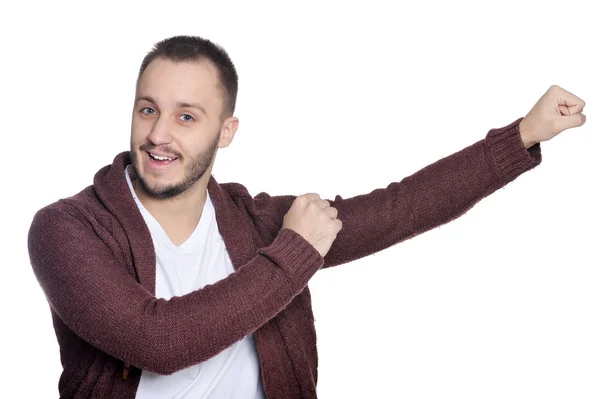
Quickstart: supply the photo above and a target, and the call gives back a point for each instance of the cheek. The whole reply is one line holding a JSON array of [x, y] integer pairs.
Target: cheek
[[138, 130], [197, 141]]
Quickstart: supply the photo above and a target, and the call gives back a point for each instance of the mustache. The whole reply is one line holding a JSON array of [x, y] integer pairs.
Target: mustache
[[164, 150]]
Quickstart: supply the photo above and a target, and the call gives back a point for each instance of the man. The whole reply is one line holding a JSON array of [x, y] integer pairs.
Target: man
[[164, 283]]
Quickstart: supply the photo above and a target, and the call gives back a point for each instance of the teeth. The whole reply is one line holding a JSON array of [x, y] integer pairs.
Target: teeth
[[159, 158]]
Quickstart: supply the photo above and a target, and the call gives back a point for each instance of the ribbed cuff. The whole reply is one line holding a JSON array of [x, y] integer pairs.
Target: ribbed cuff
[[295, 255], [509, 153]]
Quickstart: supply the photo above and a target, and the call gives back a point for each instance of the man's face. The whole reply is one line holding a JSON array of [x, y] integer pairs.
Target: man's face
[[176, 125]]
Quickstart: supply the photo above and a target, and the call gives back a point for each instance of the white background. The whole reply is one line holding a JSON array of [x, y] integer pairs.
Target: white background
[[342, 98]]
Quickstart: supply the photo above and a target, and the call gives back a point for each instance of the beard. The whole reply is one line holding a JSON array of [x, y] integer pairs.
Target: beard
[[193, 172]]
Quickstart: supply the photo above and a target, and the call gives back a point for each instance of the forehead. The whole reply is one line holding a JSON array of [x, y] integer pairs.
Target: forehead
[[170, 82]]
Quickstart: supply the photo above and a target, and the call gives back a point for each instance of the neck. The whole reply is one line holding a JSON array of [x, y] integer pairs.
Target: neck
[[179, 215]]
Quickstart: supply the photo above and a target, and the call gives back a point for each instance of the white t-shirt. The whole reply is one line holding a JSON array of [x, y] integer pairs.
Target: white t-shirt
[[202, 259]]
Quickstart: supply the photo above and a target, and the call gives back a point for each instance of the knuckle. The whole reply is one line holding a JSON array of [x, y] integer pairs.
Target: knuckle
[[303, 199]]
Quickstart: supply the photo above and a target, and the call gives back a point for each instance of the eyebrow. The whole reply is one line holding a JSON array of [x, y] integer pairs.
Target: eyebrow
[[192, 105], [180, 104]]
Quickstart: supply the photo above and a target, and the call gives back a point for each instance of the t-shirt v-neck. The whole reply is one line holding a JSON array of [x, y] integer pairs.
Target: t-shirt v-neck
[[183, 268]]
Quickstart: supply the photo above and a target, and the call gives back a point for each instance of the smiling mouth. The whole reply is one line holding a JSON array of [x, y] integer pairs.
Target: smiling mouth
[[159, 160]]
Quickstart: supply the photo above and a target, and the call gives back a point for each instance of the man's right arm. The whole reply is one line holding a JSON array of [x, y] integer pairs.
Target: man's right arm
[[94, 295]]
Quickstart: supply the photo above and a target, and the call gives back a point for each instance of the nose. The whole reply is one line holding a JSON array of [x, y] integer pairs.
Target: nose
[[161, 132]]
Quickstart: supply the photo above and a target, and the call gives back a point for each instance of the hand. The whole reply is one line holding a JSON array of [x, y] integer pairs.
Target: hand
[[556, 111], [315, 220]]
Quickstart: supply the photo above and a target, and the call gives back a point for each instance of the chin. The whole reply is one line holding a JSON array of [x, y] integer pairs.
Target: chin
[[162, 191]]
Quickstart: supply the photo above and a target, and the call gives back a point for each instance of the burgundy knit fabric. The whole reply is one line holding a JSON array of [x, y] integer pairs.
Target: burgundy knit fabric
[[93, 257]]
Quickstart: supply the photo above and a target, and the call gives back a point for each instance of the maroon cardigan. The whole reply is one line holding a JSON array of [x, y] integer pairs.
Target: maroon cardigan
[[93, 257]]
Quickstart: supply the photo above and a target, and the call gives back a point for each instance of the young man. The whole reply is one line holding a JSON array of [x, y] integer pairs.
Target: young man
[[164, 283]]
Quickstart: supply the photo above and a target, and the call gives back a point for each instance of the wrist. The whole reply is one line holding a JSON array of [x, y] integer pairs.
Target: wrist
[[525, 134]]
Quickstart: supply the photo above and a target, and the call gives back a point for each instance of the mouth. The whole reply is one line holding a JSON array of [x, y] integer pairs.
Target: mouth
[[158, 162]]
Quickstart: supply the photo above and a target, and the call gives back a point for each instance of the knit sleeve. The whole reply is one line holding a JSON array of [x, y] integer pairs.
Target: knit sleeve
[[435, 195], [96, 298]]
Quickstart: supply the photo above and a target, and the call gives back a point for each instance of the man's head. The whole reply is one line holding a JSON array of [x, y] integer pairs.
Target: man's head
[[183, 112]]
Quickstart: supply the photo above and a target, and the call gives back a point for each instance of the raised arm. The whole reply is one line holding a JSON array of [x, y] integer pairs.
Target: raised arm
[[444, 190], [435, 195]]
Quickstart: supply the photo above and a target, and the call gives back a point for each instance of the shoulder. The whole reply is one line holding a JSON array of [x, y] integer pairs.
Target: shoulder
[[261, 204], [82, 210], [89, 206]]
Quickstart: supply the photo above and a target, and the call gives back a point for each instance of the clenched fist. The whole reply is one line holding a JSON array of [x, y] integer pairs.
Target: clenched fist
[[556, 111], [315, 220]]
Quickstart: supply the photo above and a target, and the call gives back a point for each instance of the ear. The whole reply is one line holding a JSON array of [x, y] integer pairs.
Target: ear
[[228, 129]]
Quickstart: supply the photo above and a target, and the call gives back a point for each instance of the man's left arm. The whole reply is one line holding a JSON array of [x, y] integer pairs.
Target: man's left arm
[[446, 189]]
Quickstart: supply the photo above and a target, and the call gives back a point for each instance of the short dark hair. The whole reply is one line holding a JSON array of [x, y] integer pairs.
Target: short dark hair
[[194, 48]]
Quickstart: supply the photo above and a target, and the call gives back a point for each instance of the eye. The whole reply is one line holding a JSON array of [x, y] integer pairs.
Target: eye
[[148, 111], [186, 118]]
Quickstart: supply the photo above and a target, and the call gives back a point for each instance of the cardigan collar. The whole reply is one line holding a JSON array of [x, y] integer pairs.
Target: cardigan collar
[[112, 190]]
